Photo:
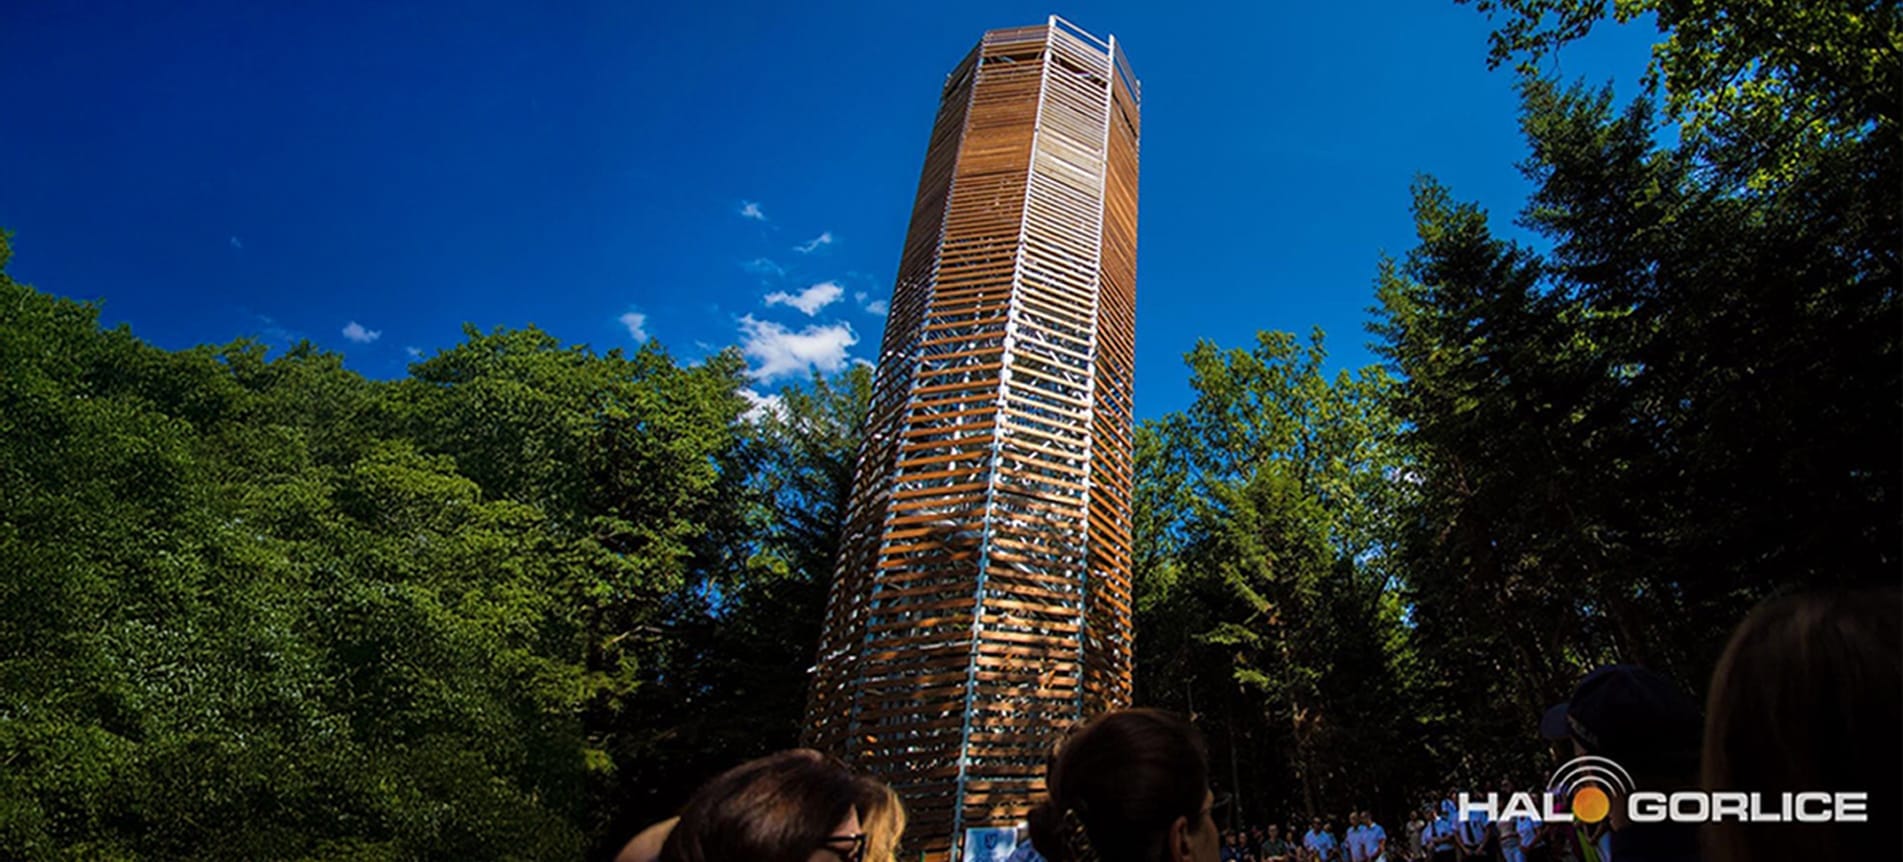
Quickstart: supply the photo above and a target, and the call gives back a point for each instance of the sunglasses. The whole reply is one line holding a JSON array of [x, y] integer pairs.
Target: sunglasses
[[849, 848]]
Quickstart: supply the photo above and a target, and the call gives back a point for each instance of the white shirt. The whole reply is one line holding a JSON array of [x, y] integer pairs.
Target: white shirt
[[1320, 842], [1473, 830], [1529, 831], [1509, 830], [1025, 853]]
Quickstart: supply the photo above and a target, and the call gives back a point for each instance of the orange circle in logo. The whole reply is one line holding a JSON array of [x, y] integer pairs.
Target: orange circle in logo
[[1590, 804]]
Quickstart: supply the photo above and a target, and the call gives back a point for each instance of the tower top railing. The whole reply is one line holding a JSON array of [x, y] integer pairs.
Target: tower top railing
[[1042, 33], [1074, 30], [1016, 35]]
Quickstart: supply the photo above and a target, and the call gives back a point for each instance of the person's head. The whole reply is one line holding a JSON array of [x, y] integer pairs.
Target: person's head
[[1808, 696], [1132, 785], [1637, 718], [794, 806], [1275, 831], [882, 818], [1314, 824]]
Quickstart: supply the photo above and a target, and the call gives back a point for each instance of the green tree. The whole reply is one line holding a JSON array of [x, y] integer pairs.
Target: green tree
[[734, 681], [1690, 401], [1758, 88], [241, 622], [1263, 594], [642, 467], [264, 608]]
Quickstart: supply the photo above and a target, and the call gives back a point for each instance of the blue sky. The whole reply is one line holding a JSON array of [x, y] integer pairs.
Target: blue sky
[[371, 175]]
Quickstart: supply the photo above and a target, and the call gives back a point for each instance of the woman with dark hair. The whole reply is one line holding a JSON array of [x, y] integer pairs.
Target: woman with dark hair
[[1808, 696], [1128, 786], [794, 806]]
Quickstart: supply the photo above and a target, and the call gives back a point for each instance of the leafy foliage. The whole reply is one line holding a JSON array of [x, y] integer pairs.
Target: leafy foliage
[[734, 681], [1606, 450], [1262, 584], [1691, 401], [264, 608]]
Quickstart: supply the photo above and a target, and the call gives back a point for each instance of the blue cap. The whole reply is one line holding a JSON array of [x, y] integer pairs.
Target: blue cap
[[1629, 713]]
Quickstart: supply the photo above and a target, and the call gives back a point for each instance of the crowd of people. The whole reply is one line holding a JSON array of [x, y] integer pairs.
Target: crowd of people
[[1434, 831], [1431, 832], [1362, 840], [1807, 696]]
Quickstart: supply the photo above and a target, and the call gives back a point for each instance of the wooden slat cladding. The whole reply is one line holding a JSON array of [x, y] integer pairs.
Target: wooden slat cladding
[[981, 603]]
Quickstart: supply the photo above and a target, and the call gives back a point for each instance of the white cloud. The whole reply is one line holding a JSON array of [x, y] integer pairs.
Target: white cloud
[[764, 266], [810, 300], [636, 322], [876, 306], [751, 209], [414, 352], [762, 405], [781, 352], [812, 245], [236, 242], [355, 332]]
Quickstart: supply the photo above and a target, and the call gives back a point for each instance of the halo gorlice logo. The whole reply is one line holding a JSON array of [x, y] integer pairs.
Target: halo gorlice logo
[[1587, 784], [1591, 783], [1591, 786]]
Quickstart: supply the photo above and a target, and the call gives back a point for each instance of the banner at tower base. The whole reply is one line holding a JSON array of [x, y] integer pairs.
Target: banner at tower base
[[989, 844]]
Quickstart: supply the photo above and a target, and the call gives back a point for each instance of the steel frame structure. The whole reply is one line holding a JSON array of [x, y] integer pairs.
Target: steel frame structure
[[981, 602]]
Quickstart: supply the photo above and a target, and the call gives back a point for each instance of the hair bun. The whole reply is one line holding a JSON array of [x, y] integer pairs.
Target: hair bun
[[1078, 837]]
